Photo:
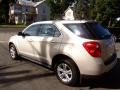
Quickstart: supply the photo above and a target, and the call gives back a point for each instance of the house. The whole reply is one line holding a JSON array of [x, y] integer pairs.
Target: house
[[42, 11], [68, 14], [27, 11]]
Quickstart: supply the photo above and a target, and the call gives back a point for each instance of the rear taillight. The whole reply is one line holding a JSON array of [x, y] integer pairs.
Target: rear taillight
[[93, 48]]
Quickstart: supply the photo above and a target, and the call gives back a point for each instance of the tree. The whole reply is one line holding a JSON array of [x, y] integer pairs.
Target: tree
[[58, 7], [105, 11], [81, 9], [4, 10]]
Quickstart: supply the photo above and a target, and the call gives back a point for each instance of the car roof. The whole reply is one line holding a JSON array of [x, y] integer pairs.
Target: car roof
[[63, 21]]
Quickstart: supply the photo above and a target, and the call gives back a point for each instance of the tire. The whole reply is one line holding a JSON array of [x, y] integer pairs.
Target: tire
[[67, 72], [13, 52]]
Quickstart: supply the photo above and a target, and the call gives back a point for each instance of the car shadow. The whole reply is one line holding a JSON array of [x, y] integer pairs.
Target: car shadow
[[110, 80], [10, 76], [12, 65], [24, 77]]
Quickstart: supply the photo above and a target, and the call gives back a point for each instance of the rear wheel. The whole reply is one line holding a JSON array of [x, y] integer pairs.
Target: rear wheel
[[67, 72], [13, 52]]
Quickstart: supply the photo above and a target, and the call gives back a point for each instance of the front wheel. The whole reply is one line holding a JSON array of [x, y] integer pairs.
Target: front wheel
[[13, 52], [67, 72]]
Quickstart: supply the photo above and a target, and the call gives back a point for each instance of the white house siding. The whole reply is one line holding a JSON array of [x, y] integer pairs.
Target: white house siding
[[69, 14], [43, 12], [23, 13]]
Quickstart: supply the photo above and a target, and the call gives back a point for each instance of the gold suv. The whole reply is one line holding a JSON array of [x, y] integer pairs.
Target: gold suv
[[70, 48]]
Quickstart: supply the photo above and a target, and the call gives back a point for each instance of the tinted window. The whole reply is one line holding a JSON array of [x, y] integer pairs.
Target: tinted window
[[98, 31], [79, 29], [32, 31], [89, 30]]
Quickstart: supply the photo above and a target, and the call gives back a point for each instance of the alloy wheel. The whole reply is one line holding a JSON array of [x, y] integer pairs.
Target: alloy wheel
[[64, 72]]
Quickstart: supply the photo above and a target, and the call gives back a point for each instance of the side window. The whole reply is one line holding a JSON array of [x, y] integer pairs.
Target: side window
[[32, 31], [48, 30]]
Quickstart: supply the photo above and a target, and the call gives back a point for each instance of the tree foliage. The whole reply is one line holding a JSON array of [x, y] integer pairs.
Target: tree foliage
[[4, 10], [81, 9], [77, 10], [105, 11], [58, 7]]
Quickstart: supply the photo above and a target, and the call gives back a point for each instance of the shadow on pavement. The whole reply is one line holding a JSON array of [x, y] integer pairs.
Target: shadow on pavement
[[110, 80], [3, 67], [8, 78], [24, 77], [14, 73]]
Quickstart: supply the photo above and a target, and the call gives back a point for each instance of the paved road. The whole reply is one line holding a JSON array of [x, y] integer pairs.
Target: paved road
[[25, 75]]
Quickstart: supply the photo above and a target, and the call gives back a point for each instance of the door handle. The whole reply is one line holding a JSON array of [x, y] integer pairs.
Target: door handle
[[52, 41]]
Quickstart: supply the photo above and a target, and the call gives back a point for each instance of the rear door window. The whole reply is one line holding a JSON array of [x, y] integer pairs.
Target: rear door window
[[49, 30]]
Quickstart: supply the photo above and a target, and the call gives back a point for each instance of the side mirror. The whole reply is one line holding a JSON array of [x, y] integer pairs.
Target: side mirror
[[20, 34]]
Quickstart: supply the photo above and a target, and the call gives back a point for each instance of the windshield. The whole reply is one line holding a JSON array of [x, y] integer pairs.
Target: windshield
[[89, 30]]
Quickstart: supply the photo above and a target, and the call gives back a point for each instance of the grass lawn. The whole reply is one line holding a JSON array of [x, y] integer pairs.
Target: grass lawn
[[12, 26]]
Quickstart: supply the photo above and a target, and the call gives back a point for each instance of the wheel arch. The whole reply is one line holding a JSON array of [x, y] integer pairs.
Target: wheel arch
[[61, 56], [10, 43], [14, 45]]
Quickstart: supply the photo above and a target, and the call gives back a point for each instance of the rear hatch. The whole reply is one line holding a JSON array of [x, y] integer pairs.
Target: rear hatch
[[108, 51], [94, 31], [106, 41]]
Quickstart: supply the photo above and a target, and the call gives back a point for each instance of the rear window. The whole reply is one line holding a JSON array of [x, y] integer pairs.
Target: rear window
[[89, 30]]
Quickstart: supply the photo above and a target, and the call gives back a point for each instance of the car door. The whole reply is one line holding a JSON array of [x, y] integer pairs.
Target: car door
[[26, 42], [48, 42]]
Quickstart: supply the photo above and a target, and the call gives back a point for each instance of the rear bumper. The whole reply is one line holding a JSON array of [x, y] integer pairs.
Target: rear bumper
[[109, 72], [110, 66], [99, 68]]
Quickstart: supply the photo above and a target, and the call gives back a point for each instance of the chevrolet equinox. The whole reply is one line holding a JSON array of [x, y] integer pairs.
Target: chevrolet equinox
[[70, 48]]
